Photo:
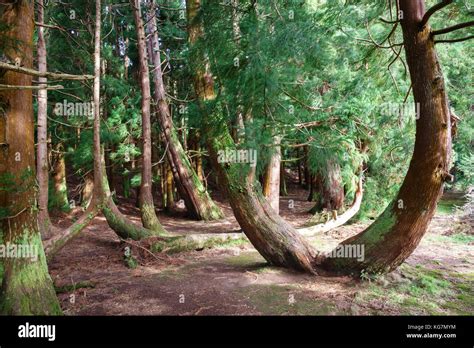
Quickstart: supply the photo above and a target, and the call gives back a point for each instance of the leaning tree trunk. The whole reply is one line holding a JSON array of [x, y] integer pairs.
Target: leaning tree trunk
[[397, 232], [276, 240], [196, 198], [27, 288], [42, 133], [147, 207]]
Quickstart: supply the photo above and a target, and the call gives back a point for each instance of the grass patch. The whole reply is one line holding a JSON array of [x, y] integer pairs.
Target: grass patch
[[248, 259], [456, 238], [422, 291], [286, 300], [449, 206]]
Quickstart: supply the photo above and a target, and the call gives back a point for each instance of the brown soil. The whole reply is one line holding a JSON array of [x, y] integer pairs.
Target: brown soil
[[235, 280]]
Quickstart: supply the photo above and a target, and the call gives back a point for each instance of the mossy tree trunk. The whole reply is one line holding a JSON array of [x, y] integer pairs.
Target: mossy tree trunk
[[197, 200], [397, 232], [273, 237], [26, 288]]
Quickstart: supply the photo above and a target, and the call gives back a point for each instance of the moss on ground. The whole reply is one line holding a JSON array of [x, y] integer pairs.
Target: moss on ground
[[286, 300], [422, 291], [449, 206]]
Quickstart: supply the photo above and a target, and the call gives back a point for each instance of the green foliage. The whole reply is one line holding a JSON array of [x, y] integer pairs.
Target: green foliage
[[277, 65]]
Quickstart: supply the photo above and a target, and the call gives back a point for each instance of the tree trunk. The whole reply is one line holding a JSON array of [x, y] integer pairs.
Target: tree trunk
[[42, 134], [190, 188], [88, 189], [300, 176], [273, 237], [147, 206], [283, 189], [102, 196], [307, 176], [27, 288], [58, 199], [271, 186], [169, 188], [397, 232], [328, 188], [338, 220]]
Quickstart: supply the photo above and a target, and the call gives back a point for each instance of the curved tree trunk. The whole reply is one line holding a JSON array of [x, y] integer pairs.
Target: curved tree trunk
[[27, 288], [197, 199], [397, 232], [147, 207], [275, 239]]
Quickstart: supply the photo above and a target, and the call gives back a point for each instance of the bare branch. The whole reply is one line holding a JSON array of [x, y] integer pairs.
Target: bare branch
[[49, 88], [49, 26], [389, 22], [453, 28], [455, 40], [432, 10], [379, 45], [51, 75]]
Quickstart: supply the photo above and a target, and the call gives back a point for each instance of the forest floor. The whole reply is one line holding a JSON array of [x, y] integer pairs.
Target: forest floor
[[92, 278]]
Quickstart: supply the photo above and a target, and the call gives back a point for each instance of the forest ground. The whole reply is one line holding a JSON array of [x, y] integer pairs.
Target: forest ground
[[92, 278]]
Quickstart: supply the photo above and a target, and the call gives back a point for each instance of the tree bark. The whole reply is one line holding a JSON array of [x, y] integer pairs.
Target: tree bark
[[339, 220], [283, 188], [398, 231], [88, 189], [328, 188], [42, 133], [271, 186], [170, 199], [273, 237], [27, 288], [197, 200], [58, 197], [147, 206]]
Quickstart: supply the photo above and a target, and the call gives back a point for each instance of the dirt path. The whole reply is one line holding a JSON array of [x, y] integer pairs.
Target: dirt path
[[234, 280]]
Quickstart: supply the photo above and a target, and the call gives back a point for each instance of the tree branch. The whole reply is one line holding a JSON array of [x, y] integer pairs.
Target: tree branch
[[455, 40], [453, 28], [432, 10], [49, 88], [49, 26], [50, 75], [388, 22]]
